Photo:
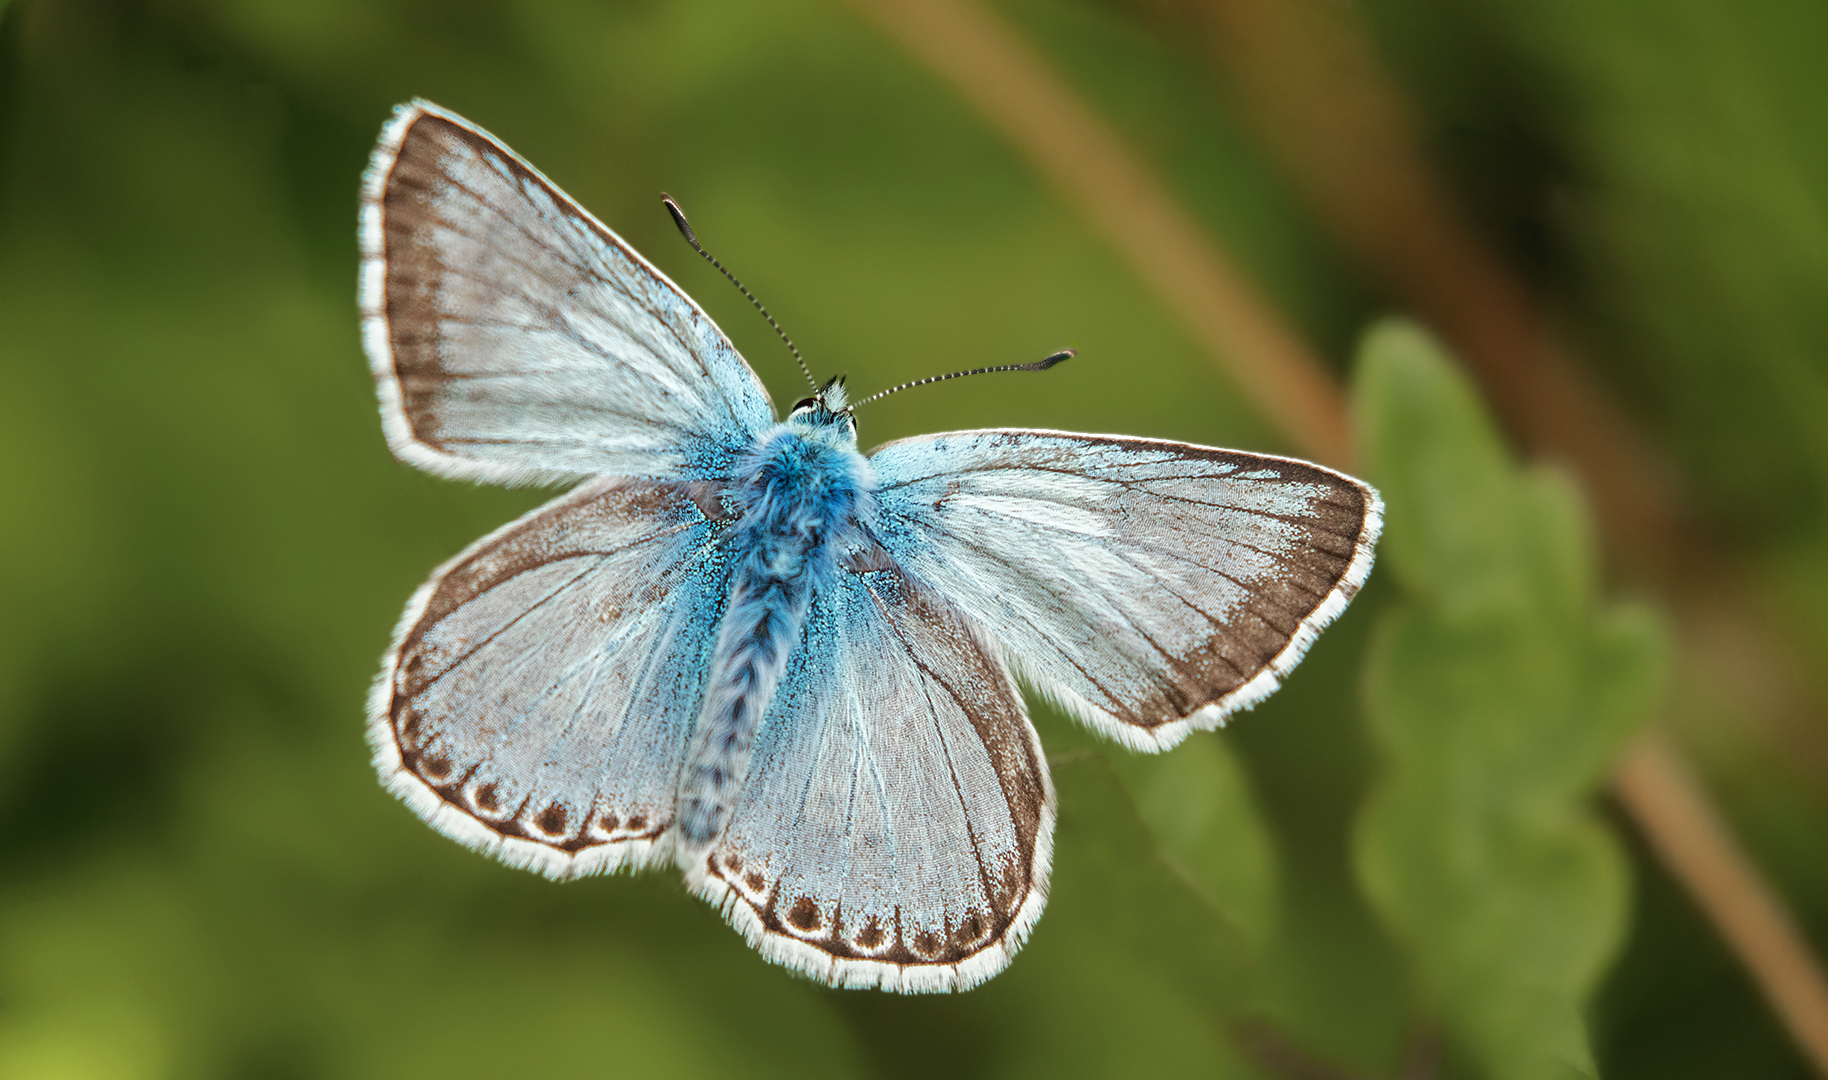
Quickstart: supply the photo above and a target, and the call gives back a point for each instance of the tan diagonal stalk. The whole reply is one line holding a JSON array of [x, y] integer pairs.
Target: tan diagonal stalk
[[1489, 317], [1125, 203], [1346, 137], [1696, 846]]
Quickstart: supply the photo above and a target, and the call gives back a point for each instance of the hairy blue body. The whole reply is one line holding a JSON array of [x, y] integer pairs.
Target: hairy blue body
[[803, 488]]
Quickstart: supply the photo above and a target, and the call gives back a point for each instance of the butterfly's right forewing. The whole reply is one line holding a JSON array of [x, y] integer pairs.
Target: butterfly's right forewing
[[536, 700], [514, 337], [1153, 588]]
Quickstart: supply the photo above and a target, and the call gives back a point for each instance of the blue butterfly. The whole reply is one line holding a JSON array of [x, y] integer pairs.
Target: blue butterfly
[[742, 647]]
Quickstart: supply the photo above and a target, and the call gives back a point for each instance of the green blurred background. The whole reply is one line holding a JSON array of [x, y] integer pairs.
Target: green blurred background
[[204, 543]]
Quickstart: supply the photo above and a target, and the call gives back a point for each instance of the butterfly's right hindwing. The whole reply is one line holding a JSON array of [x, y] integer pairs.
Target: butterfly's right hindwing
[[896, 825], [537, 698], [513, 337]]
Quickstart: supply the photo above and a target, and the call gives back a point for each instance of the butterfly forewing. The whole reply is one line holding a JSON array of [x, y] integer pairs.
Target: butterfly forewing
[[515, 337], [1152, 587], [896, 826], [537, 698]]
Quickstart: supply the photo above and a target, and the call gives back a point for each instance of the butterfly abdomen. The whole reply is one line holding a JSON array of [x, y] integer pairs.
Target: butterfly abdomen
[[801, 499]]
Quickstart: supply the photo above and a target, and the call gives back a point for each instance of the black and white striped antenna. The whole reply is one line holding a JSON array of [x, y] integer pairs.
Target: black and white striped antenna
[[685, 230], [1038, 365]]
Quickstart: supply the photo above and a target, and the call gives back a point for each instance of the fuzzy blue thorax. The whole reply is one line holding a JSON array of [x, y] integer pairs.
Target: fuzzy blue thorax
[[803, 488]]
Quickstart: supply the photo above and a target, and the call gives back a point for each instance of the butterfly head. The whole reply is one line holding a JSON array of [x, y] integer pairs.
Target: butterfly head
[[826, 415]]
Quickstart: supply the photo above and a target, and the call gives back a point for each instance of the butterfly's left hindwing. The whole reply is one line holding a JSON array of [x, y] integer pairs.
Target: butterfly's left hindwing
[[1152, 588], [897, 822], [536, 700]]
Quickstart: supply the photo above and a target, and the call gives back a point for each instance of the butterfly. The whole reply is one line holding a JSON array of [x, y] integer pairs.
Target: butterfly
[[741, 647]]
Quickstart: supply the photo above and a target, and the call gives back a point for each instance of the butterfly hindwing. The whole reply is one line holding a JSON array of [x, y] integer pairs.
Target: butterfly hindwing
[[897, 823], [536, 700], [514, 337], [1152, 588]]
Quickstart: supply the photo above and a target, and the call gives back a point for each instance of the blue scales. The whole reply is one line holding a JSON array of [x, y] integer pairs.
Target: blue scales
[[802, 490]]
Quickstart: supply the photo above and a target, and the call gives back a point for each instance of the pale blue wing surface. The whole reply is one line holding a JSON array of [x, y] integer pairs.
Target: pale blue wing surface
[[537, 697], [515, 338], [1152, 588], [896, 825]]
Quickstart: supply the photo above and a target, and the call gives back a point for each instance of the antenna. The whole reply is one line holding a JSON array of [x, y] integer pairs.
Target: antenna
[[691, 238], [1038, 365]]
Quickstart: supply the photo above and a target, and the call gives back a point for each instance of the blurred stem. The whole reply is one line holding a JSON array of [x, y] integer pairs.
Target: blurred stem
[[1694, 843], [1087, 162], [1313, 88], [1344, 132]]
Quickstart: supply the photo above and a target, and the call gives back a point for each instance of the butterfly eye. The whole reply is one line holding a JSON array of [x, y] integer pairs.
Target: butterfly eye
[[803, 405]]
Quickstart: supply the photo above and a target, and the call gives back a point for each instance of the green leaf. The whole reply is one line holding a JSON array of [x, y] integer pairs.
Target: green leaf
[[1126, 944], [1197, 803], [1499, 694]]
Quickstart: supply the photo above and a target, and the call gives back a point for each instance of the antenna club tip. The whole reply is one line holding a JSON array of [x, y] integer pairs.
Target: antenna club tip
[[679, 218]]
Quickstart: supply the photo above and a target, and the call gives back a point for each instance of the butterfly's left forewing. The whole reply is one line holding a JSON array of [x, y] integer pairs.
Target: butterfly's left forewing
[[537, 697], [514, 337], [1152, 588], [897, 822]]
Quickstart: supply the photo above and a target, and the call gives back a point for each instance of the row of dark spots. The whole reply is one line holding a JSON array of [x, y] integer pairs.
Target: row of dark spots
[[804, 916], [551, 820]]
